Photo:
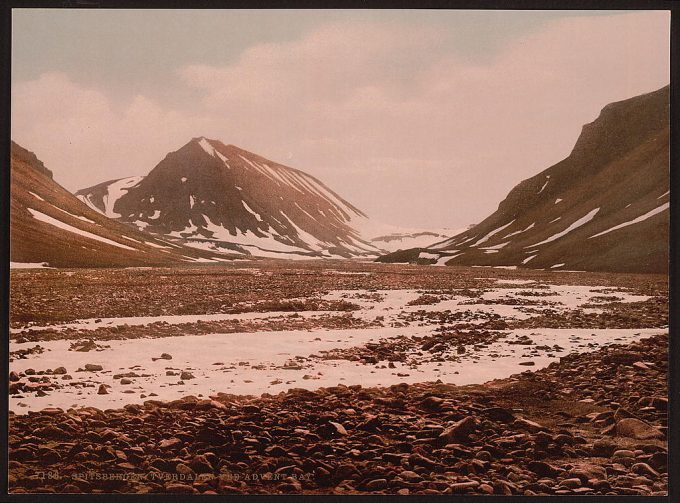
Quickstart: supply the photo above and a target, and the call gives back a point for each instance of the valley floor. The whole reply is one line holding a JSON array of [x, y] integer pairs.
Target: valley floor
[[409, 379]]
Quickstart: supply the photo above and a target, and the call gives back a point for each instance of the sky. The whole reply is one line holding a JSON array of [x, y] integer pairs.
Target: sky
[[420, 118]]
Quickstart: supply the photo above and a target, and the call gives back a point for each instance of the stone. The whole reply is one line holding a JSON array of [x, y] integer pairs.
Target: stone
[[176, 488], [200, 464], [499, 414], [433, 402], [340, 429], [59, 371], [376, 485], [102, 390], [458, 432], [92, 367], [571, 483], [635, 428], [659, 461], [644, 469], [604, 448], [169, 443], [543, 469], [463, 487], [586, 472], [531, 426], [410, 476], [623, 453], [184, 376]]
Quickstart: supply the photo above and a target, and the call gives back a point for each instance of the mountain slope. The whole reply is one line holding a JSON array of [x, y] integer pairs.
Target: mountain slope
[[603, 208], [218, 197], [49, 224]]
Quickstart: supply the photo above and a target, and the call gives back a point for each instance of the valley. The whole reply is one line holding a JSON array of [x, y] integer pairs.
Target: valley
[[363, 340]]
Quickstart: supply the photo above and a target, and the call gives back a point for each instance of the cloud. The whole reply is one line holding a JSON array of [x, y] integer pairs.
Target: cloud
[[390, 114], [85, 137]]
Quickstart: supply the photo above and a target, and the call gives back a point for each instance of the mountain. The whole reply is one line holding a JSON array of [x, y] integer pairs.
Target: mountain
[[50, 225], [603, 208], [221, 197]]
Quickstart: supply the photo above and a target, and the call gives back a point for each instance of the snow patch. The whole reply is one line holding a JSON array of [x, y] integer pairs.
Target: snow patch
[[581, 221], [528, 259], [205, 145], [64, 226], [495, 247], [530, 226], [249, 210], [492, 233], [639, 219], [115, 191], [29, 265]]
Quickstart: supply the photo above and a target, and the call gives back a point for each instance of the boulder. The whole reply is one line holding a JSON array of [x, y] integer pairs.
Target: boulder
[[458, 432], [635, 428]]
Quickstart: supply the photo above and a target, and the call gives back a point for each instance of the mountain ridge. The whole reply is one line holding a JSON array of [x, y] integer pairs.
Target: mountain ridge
[[602, 208], [50, 225]]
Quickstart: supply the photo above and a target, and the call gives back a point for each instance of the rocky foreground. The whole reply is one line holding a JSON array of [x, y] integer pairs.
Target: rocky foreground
[[594, 423]]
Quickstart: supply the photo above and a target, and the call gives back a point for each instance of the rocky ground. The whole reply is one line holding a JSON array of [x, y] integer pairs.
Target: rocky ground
[[43, 297], [592, 423], [589, 423]]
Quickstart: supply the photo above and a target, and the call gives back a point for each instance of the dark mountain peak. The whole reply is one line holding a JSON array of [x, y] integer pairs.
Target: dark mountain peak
[[21, 154], [622, 125], [214, 194]]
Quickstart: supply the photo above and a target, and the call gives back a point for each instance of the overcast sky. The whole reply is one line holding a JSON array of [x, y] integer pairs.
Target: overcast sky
[[420, 118]]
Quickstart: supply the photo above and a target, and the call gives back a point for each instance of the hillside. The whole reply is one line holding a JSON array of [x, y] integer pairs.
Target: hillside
[[49, 225], [603, 208]]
